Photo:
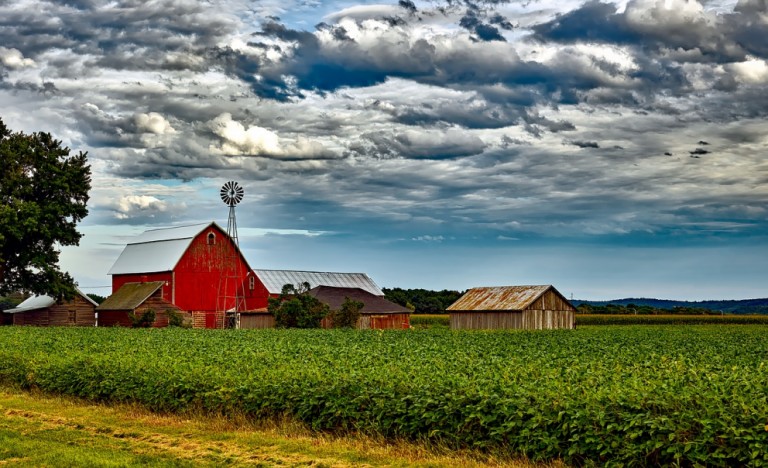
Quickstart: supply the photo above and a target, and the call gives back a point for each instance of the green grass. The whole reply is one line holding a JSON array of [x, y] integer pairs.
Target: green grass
[[624, 394], [40, 430]]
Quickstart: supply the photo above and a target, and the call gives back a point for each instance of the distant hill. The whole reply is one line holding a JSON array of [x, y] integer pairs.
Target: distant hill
[[743, 306]]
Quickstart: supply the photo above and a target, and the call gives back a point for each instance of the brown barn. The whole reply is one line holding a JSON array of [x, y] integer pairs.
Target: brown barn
[[377, 313], [522, 307], [136, 298], [258, 318], [45, 311]]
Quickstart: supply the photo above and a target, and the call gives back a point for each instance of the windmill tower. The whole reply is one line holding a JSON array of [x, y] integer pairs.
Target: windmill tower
[[230, 298]]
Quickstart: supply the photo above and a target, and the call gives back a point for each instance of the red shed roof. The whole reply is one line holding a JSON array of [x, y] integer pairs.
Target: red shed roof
[[372, 304]]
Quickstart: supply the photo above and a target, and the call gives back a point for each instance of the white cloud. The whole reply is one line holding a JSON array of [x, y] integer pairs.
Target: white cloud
[[753, 71], [259, 141], [13, 58], [153, 123], [128, 206]]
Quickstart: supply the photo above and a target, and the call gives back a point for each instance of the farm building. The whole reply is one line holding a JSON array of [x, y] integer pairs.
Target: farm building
[[377, 313], [269, 283], [45, 311], [201, 270], [523, 307], [136, 299]]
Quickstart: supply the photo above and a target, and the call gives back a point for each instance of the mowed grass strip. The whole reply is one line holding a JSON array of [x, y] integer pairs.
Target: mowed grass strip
[[41, 430]]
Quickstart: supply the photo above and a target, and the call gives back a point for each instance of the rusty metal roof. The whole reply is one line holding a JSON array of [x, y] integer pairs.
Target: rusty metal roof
[[42, 302], [499, 298], [130, 296], [274, 280]]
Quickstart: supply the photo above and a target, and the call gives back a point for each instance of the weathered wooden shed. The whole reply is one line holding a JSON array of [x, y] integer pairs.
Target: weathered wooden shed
[[45, 311], [201, 269], [377, 313], [258, 318], [521, 307], [136, 298]]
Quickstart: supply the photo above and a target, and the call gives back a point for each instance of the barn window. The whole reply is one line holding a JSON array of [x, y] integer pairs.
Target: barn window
[[211, 238], [252, 283]]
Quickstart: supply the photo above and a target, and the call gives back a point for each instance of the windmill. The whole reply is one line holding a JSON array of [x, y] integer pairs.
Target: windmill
[[231, 195], [229, 303]]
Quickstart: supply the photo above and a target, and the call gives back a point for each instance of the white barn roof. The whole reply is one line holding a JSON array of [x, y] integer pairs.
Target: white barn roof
[[274, 280], [157, 250], [42, 302]]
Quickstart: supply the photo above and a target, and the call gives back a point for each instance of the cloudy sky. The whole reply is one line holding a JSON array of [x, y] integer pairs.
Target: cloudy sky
[[611, 149]]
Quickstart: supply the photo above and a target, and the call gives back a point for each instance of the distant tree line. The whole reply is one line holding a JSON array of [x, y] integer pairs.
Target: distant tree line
[[636, 309], [422, 301]]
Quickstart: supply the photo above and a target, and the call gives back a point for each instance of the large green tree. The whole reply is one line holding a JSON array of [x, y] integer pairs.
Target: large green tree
[[296, 308], [43, 195]]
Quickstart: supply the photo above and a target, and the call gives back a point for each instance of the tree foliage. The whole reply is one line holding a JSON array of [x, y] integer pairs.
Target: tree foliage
[[348, 314], [43, 195], [296, 308], [422, 301]]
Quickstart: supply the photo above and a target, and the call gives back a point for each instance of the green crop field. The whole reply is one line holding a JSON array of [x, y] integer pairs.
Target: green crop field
[[634, 395]]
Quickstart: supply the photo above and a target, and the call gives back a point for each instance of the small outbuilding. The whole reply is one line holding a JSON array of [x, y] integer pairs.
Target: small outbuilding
[[45, 311], [517, 307], [137, 299], [377, 313]]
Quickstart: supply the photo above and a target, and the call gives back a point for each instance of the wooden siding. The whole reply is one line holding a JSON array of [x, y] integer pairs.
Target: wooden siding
[[77, 312], [523, 320], [250, 321], [548, 319], [550, 300], [486, 320], [376, 322], [384, 321]]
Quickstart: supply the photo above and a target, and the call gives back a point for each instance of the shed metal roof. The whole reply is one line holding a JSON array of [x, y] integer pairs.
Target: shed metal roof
[[372, 304], [42, 302], [130, 296], [499, 298], [274, 280], [157, 250]]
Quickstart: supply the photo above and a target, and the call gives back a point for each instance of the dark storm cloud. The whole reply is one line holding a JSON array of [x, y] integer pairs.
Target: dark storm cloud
[[585, 144], [485, 32], [656, 28], [122, 35]]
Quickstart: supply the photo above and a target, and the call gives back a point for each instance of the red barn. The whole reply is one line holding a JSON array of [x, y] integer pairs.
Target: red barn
[[202, 271]]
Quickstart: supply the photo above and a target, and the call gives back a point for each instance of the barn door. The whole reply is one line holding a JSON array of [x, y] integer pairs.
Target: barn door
[[210, 320], [73, 316]]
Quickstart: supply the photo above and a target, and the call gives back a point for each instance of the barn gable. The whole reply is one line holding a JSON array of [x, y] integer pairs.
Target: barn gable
[[157, 250], [274, 280]]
